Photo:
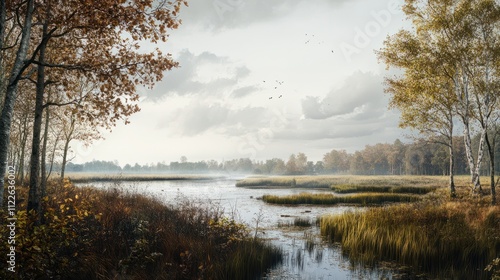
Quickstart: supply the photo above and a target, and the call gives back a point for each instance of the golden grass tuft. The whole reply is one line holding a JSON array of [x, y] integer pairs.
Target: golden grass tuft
[[331, 199], [83, 177], [451, 239]]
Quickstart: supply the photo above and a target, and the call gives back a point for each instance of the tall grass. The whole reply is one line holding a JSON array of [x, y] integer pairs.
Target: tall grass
[[452, 239], [131, 177], [249, 261], [347, 183], [364, 188], [331, 199], [107, 234], [302, 222], [320, 182]]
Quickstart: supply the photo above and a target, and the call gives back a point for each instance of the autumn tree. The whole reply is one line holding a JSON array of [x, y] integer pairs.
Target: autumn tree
[[449, 69], [336, 161], [301, 163], [291, 165], [96, 40], [424, 97], [13, 73]]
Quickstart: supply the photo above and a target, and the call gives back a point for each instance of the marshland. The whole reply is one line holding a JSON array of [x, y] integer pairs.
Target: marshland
[[326, 139], [224, 230]]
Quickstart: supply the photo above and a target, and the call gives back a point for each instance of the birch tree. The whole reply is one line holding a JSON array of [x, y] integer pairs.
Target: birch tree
[[457, 43], [14, 75], [423, 96]]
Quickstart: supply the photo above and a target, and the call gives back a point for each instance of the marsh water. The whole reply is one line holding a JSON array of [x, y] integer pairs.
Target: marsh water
[[306, 255]]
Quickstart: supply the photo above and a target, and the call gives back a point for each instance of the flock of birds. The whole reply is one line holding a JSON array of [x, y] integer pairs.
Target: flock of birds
[[310, 38], [277, 85]]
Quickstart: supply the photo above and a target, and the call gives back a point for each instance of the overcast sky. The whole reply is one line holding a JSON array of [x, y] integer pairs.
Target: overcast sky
[[264, 79]]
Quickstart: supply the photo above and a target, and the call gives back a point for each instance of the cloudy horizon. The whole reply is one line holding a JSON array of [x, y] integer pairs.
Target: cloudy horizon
[[264, 79]]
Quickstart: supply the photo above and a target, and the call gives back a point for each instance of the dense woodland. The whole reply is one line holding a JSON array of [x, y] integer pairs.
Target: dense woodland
[[422, 157]]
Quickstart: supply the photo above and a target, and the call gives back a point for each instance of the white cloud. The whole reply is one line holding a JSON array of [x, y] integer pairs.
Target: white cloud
[[217, 105], [223, 14], [199, 74], [360, 97]]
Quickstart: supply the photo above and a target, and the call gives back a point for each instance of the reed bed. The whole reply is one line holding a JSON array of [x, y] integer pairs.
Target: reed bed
[[297, 222], [313, 182], [330, 181], [250, 261], [302, 222], [131, 177], [331, 199], [351, 188], [454, 239]]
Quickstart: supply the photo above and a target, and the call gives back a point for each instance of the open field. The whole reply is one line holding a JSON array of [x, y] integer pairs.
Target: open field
[[83, 177]]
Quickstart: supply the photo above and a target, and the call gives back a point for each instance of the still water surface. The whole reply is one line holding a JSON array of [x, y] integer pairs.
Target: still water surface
[[306, 256]]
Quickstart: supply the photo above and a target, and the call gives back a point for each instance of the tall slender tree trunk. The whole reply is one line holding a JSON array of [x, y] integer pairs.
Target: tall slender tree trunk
[[3, 22], [34, 192], [452, 168], [491, 153], [44, 177], [461, 82], [11, 91], [67, 140], [23, 151]]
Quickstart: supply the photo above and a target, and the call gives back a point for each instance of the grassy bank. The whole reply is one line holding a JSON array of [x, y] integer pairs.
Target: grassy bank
[[351, 188], [449, 239], [96, 234], [131, 177], [331, 199], [321, 182], [348, 183]]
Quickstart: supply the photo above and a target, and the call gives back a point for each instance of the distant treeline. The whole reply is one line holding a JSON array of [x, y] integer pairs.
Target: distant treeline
[[421, 157]]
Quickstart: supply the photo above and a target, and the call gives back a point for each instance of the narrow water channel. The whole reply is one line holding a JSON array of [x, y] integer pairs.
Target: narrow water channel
[[306, 256]]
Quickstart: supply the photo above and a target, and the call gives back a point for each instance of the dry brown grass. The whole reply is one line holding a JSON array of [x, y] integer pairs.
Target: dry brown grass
[[441, 236], [83, 177], [107, 234]]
